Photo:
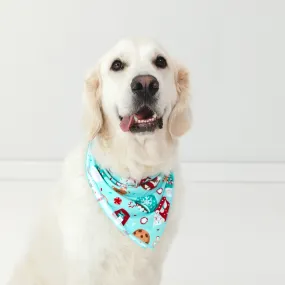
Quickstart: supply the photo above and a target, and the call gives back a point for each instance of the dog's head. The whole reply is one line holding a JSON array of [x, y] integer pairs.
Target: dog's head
[[137, 88]]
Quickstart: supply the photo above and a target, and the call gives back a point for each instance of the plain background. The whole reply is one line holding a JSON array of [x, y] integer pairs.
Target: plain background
[[234, 157]]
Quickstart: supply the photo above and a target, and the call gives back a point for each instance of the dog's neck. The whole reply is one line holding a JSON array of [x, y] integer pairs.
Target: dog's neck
[[136, 156]]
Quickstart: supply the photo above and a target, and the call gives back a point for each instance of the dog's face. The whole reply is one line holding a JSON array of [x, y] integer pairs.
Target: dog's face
[[137, 88]]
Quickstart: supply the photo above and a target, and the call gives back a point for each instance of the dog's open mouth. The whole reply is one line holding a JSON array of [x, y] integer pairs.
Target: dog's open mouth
[[145, 120]]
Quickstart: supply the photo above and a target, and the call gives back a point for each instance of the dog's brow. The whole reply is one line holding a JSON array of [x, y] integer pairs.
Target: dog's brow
[[122, 56]]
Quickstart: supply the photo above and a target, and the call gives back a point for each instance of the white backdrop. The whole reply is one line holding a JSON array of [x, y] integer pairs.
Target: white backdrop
[[234, 49]]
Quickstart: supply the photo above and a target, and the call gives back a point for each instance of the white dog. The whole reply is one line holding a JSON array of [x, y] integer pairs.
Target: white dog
[[136, 103]]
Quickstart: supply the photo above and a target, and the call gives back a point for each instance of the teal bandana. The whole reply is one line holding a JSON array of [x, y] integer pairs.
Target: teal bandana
[[138, 210]]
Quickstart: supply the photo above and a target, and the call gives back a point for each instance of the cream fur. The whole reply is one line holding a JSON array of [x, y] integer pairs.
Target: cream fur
[[75, 243]]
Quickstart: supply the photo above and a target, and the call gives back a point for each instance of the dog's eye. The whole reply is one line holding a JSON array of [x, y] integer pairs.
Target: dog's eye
[[160, 62], [117, 65]]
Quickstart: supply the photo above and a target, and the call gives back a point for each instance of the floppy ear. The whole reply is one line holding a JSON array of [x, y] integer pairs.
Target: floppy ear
[[180, 117], [93, 117]]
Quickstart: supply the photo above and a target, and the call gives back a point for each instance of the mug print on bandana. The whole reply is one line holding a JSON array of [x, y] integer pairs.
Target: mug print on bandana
[[139, 210]]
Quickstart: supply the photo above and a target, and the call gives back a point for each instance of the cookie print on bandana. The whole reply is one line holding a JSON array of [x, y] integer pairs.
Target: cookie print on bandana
[[139, 209], [122, 191], [143, 235]]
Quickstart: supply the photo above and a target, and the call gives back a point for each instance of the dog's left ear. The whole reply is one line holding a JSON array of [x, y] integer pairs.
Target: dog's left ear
[[180, 118]]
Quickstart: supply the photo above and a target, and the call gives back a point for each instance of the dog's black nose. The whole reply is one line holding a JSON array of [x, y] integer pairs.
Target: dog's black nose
[[145, 85]]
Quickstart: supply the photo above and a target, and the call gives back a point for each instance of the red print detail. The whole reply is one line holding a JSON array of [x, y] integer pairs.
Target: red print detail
[[118, 200], [163, 208], [149, 184], [123, 214]]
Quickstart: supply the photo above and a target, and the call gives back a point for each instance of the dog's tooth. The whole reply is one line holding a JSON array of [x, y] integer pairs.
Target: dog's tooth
[[154, 116], [136, 119]]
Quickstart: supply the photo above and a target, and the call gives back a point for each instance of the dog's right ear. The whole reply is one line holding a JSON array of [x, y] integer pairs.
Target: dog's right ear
[[93, 116]]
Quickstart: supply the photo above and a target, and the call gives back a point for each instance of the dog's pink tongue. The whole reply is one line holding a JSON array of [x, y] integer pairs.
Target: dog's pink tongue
[[126, 123]]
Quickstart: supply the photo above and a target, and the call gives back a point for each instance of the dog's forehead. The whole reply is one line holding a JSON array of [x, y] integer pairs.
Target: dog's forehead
[[135, 48], [140, 47]]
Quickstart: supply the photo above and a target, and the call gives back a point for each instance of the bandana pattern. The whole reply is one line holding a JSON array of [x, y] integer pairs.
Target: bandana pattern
[[138, 210]]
